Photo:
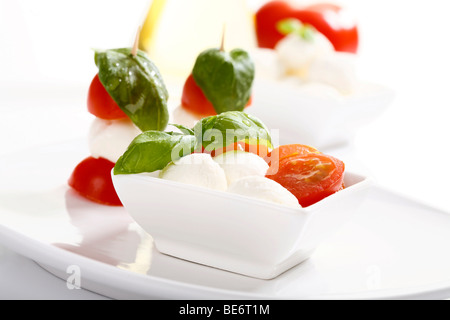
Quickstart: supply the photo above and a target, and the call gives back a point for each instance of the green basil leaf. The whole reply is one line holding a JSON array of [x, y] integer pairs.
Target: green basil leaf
[[153, 150], [183, 129], [136, 85], [219, 131], [225, 78]]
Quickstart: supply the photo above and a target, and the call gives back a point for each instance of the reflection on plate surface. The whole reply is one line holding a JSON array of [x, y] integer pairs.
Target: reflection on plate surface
[[112, 237]]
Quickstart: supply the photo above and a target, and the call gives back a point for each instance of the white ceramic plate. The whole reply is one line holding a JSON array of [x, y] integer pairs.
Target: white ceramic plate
[[393, 248]]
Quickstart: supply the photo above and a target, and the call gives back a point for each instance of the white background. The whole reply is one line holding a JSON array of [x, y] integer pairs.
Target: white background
[[404, 46], [46, 65]]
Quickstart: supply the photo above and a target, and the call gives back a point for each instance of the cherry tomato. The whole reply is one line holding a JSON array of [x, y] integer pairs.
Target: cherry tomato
[[92, 179], [329, 19], [288, 150], [260, 150], [100, 103], [194, 100], [310, 178]]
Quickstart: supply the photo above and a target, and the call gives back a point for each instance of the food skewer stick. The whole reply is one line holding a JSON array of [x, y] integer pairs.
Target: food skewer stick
[[134, 50], [222, 44]]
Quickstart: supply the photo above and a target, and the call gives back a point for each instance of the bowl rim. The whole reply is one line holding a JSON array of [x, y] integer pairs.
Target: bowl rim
[[364, 182], [379, 90]]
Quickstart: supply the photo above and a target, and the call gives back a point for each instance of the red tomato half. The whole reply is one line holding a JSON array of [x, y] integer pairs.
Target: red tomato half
[[329, 19], [92, 179], [194, 100], [310, 178], [288, 150], [100, 103]]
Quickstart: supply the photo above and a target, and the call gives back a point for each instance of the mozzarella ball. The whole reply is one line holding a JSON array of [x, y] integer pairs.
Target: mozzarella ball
[[337, 70], [264, 189], [238, 164], [267, 64], [109, 139], [184, 117], [197, 169], [296, 53]]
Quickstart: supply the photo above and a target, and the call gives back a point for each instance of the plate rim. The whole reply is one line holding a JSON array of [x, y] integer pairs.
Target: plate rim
[[46, 254]]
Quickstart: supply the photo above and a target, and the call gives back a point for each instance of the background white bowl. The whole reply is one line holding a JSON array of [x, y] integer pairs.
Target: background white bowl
[[232, 232], [321, 120]]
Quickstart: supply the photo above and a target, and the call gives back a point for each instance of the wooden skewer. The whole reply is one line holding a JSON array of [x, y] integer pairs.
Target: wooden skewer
[[222, 44], [134, 50]]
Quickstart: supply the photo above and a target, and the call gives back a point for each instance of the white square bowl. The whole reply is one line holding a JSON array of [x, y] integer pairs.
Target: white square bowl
[[232, 232], [315, 119]]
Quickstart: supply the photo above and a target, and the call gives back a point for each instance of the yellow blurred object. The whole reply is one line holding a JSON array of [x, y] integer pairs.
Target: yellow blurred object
[[176, 31], [150, 24]]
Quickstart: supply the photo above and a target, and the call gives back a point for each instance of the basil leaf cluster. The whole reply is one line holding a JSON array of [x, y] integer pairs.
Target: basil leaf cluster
[[154, 150]]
